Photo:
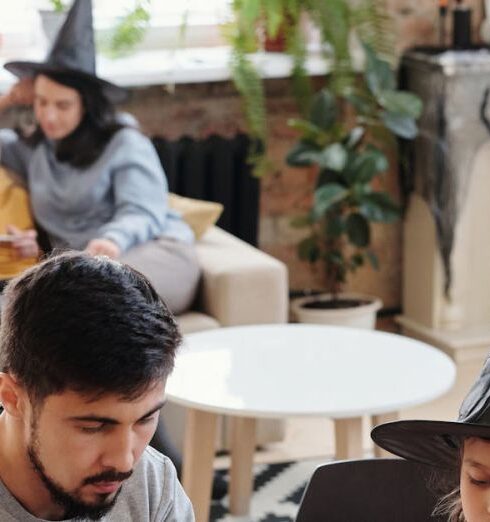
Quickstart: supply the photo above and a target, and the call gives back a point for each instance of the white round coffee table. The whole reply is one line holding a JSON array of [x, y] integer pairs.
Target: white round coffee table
[[287, 370]]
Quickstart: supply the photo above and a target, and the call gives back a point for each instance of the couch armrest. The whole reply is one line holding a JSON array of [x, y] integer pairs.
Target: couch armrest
[[240, 284]]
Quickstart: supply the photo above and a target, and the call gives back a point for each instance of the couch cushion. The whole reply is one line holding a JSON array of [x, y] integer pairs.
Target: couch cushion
[[198, 214], [190, 322]]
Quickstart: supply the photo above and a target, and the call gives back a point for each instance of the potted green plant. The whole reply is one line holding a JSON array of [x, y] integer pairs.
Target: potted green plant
[[346, 136], [128, 31], [52, 17]]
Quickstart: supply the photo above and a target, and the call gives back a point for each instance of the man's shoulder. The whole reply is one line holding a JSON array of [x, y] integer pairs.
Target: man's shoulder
[[154, 471], [154, 460], [153, 492]]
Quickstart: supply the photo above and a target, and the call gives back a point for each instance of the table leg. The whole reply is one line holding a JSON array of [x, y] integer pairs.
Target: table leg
[[348, 438], [241, 475], [198, 457], [380, 419]]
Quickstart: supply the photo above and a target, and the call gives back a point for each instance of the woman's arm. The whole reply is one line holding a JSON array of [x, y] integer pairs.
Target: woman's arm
[[139, 188]]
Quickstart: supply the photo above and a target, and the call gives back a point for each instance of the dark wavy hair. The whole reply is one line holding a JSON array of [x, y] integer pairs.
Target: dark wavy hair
[[87, 324], [99, 123]]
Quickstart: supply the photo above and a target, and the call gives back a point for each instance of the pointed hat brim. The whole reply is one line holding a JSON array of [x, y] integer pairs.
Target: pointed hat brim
[[23, 69]]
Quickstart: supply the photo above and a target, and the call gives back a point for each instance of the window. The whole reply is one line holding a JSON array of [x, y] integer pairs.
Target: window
[[20, 24]]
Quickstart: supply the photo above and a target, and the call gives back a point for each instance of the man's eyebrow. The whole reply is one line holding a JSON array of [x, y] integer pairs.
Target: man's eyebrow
[[110, 420]]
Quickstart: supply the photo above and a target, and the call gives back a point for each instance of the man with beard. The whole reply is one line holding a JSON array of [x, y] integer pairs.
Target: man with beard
[[86, 346]]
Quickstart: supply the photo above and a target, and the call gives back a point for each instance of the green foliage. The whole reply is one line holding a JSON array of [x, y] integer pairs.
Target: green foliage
[[59, 6], [336, 20], [348, 158], [129, 30]]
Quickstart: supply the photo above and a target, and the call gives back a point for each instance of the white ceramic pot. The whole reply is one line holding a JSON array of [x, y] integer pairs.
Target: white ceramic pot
[[363, 316], [51, 23]]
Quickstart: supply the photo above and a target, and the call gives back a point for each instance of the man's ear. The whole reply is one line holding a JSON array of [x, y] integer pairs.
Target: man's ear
[[12, 395]]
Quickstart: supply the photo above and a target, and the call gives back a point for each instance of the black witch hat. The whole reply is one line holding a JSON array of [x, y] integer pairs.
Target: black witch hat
[[438, 443], [73, 52]]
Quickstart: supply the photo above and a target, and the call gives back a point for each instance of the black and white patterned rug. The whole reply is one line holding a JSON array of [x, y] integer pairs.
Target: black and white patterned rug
[[278, 489]]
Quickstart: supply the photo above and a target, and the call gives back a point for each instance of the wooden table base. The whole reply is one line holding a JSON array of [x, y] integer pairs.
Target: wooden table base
[[242, 455], [197, 468], [199, 450]]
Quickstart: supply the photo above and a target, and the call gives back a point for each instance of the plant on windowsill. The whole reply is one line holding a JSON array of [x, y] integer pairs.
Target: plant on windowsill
[[119, 40], [128, 31], [346, 137], [52, 17]]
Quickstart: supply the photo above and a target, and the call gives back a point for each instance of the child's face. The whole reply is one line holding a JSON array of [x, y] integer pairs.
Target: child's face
[[475, 480]]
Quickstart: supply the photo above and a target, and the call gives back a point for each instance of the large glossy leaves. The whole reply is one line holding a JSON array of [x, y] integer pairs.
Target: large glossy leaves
[[302, 154], [354, 137], [335, 226], [401, 125], [378, 73], [327, 196], [364, 166], [401, 102], [378, 206], [358, 230], [333, 157], [323, 111]]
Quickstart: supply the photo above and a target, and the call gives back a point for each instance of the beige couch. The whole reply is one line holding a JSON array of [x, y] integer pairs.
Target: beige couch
[[240, 285]]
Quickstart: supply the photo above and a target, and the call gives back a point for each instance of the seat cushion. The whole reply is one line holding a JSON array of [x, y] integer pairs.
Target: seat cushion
[[190, 322]]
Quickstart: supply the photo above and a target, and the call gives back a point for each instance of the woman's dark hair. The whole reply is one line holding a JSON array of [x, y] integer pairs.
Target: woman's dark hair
[[99, 123]]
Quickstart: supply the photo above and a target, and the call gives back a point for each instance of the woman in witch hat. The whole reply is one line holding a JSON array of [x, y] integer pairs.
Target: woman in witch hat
[[459, 451], [95, 183]]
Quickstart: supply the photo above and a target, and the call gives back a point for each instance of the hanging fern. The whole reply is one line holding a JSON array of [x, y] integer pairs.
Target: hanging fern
[[296, 48], [375, 27]]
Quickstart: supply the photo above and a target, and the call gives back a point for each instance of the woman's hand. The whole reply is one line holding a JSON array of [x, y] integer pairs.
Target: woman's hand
[[24, 242], [22, 93], [103, 247]]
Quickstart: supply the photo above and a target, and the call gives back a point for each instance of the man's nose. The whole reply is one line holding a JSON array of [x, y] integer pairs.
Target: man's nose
[[119, 452]]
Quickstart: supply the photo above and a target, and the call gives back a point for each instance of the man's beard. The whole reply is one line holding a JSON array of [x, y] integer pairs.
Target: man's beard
[[74, 507]]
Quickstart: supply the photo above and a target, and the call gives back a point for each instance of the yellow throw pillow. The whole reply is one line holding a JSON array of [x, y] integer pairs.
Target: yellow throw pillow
[[14, 210], [198, 214]]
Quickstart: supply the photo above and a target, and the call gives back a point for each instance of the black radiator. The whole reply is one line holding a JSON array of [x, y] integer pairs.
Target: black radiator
[[215, 169]]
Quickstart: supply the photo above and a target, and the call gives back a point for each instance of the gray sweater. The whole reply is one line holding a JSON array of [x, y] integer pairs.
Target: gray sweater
[[122, 196], [151, 494]]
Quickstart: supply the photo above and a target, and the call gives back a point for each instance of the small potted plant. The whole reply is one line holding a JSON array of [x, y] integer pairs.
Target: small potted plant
[[346, 137], [52, 18]]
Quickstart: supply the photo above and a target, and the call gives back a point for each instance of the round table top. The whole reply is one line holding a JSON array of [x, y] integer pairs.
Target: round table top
[[302, 369]]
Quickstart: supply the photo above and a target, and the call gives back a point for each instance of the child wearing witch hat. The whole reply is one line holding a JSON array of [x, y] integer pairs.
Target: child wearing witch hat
[[459, 451]]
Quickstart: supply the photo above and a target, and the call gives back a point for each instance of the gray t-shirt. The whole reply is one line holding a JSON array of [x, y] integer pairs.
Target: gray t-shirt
[[151, 494]]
